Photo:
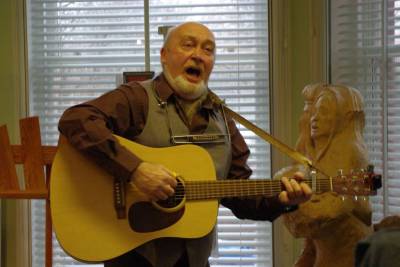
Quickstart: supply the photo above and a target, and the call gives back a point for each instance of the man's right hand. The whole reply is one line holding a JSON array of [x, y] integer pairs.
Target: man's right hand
[[154, 180]]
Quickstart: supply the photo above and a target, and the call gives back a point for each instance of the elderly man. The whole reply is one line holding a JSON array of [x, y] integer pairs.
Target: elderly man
[[163, 112]]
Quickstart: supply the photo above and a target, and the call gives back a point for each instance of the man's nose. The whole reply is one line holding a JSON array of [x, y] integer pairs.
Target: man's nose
[[198, 54]]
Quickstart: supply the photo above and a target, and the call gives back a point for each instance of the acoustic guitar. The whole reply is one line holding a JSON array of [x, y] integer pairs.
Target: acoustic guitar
[[84, 216]]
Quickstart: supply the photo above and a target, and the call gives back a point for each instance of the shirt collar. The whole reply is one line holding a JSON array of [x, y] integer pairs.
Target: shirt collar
[[162, 87]]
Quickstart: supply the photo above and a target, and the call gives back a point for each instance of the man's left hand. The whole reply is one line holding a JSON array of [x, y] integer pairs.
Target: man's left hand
[[296, 191]]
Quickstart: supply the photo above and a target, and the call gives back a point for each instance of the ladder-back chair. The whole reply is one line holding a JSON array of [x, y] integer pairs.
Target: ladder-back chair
[[36, 160]]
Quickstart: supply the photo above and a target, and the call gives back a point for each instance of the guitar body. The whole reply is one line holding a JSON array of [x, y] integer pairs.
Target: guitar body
[[82, 205]]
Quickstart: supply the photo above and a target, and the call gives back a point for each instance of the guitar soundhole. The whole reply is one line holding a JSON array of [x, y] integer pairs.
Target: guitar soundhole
[[174, 200], [147, 217]]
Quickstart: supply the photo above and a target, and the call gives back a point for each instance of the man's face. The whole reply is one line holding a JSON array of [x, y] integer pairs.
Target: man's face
[[189, 53]]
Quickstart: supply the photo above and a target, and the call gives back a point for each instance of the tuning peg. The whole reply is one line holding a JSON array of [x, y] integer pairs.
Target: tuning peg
[[370, 168], [313, 176], [341, 174], [376, 181]]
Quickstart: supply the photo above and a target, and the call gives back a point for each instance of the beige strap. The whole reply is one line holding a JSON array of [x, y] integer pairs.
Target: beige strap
[[269, 138]]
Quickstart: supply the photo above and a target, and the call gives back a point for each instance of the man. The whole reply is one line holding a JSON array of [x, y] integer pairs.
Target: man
[[166, 111]]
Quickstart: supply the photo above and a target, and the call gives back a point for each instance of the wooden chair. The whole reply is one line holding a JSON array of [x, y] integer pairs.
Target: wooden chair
[[36, 160]]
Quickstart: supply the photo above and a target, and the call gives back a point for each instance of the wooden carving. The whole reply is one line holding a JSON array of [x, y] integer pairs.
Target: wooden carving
[[331, 135]]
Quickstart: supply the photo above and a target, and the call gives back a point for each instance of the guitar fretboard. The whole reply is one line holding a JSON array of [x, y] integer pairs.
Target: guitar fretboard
[[199, 190]]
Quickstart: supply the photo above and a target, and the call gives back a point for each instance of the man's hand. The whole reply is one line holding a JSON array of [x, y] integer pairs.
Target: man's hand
[[295, 192], [156, 181]]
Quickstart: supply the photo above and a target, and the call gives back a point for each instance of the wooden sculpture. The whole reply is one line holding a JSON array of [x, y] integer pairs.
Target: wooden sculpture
[[331, 136]]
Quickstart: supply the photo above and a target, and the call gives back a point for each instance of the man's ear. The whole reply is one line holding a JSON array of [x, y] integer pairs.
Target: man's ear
[[163, 55]]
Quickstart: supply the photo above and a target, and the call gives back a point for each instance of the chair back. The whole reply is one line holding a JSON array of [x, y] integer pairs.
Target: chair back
[[36, 160]]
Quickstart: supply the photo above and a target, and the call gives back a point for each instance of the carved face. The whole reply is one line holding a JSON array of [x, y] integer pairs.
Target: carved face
[[323, 116]]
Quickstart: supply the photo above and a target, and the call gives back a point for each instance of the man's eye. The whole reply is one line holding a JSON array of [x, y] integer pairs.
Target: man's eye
[[188, 45], [210, 49]]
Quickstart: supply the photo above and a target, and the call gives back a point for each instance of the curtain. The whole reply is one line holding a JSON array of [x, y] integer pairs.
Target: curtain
[[365, 42]]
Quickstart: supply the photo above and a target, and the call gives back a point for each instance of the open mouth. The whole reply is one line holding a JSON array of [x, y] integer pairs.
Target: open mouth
[[193, 72]]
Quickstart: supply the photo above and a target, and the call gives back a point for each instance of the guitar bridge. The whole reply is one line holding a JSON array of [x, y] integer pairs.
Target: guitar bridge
[[119, 198]]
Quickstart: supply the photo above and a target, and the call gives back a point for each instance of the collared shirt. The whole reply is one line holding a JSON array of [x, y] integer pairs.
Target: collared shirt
[[90, 127]]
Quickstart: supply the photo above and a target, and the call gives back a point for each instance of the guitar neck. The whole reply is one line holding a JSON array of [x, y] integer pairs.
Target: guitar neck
[[201, 190]]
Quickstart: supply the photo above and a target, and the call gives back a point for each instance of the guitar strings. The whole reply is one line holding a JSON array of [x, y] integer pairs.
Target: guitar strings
[[206, 189], [215, 189]]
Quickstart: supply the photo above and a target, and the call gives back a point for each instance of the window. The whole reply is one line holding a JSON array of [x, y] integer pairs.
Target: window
[[365, 54], [78, 48]]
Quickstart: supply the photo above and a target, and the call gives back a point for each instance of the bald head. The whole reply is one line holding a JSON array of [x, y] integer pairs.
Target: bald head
[[186, 26], [187, 58]]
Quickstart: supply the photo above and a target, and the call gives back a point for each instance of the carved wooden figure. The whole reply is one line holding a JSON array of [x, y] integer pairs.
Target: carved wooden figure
[[331, 136]]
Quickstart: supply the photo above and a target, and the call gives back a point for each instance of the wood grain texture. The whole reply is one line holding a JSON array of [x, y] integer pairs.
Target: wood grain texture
[[36, 160], [8, 174], [33, 159], [48, 153]]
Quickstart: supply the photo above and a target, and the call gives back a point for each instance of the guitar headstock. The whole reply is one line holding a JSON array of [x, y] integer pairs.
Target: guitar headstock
[[358, 183]]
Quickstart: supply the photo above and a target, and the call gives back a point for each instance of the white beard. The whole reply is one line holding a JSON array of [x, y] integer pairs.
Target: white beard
[[184, 88]]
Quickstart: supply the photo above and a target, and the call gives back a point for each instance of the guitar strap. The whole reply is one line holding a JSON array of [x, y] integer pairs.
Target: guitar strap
[[297, 156], [269, 138], [263, 134]]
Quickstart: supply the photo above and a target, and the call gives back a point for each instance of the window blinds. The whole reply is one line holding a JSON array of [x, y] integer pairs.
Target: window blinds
[[78, 48], [365, 54]]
